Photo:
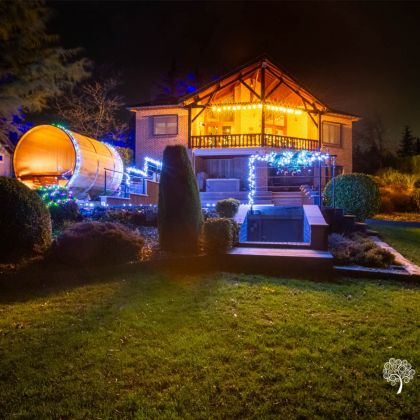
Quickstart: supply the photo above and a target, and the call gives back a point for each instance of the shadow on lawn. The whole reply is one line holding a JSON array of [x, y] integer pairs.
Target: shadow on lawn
[[40, 278]]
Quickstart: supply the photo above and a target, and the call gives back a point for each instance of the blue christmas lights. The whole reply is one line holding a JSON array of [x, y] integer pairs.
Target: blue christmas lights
[[288, 160], [148, 161]]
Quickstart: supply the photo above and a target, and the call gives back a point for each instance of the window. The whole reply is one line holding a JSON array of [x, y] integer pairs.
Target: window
[[331, 133], [165, 125]]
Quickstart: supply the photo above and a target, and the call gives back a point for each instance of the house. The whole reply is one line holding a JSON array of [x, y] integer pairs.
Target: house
[[6, 153], [256, 109]]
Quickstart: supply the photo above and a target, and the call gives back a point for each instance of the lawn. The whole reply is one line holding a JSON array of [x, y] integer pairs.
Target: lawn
[[159, 345], [405, 239]]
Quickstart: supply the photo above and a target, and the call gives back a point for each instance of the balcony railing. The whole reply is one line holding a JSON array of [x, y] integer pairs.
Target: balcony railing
[[252, 140]]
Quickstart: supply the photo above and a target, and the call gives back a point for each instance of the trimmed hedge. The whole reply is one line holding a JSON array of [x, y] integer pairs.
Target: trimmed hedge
[[219, 234], [97, 243], [25, 223], [357, 194], [228, 207], [179, 210]]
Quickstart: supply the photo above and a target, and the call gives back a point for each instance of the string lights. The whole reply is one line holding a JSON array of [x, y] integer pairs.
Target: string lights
[[54, 195], [242, 106], [78, 154], [286, 160], [148, 162]]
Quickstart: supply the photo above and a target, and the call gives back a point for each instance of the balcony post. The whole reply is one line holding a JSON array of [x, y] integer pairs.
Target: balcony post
[[319, 131], [263, 65], [189, 127]]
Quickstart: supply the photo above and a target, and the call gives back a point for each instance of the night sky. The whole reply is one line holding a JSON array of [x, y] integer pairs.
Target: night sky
[[363, 58]]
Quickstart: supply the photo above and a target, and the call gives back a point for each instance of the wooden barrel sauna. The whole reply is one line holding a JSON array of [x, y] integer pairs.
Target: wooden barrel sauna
[[47, 154]]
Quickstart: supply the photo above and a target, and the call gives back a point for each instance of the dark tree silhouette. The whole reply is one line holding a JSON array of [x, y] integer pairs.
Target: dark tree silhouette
[[407, 144], [34, 68]]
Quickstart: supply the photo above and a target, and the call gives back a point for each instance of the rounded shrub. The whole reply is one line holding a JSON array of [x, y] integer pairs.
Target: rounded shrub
[[97, 243], [25, 223], [357, 194], [228, 207], [179, 209], [218, 235]]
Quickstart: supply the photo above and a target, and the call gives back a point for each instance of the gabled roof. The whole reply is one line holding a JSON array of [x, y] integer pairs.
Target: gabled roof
[[273, 71], [257, 63]]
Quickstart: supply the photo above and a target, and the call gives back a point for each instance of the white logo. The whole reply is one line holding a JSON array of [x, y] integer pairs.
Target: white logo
[[398, 371]]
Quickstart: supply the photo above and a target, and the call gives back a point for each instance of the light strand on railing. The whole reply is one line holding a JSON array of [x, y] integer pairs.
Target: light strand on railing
[[145, 171], [286, 159], [242, 106]]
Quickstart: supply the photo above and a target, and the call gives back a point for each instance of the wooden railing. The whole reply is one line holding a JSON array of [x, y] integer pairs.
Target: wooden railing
[[252, 140]]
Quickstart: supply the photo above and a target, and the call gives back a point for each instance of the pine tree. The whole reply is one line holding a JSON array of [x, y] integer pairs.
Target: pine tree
[[33, 67], [417, 146], [179, 209], [406, 148]]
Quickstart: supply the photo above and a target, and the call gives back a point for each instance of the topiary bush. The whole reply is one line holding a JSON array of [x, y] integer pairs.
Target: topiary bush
[[179, 209], [357, 194], [218, 235], [97, 243], [61, 204], [228, 207], [25, 223]]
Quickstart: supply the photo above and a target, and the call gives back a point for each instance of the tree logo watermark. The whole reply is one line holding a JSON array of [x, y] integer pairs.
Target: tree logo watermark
[[398, 371]]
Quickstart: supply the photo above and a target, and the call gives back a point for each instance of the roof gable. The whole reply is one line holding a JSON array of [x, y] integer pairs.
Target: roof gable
[[269, 82]]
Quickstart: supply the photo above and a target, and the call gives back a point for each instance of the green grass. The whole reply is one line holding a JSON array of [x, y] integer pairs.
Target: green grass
[[404, 239], [205, 346]]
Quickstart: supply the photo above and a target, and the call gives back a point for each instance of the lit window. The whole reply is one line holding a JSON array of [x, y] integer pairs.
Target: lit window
[[331, 133], [165, 125]]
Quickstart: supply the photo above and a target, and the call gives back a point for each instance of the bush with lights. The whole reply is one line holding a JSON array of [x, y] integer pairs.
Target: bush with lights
[[61, 204], [227, 207], [179, 209], [25, 223], [357, 194]]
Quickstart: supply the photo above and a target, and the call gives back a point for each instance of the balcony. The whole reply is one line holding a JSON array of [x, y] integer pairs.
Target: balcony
[[252, 140]]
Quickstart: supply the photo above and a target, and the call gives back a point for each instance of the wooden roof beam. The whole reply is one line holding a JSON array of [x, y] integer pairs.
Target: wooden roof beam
[[250, 88], [221, 87]]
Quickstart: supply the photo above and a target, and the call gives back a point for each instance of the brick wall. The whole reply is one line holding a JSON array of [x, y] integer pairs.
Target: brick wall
[[5, 162], [149, 145], [344, 152]]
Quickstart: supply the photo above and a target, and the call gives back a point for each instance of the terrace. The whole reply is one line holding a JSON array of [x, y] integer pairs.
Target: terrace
[[253, 140]]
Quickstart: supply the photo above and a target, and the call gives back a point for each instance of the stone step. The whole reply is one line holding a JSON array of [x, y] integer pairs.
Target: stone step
[[290, 245], [279, 261]]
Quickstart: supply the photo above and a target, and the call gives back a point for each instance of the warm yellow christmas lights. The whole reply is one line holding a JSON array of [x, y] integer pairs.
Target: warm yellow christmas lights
[[256, 105]]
